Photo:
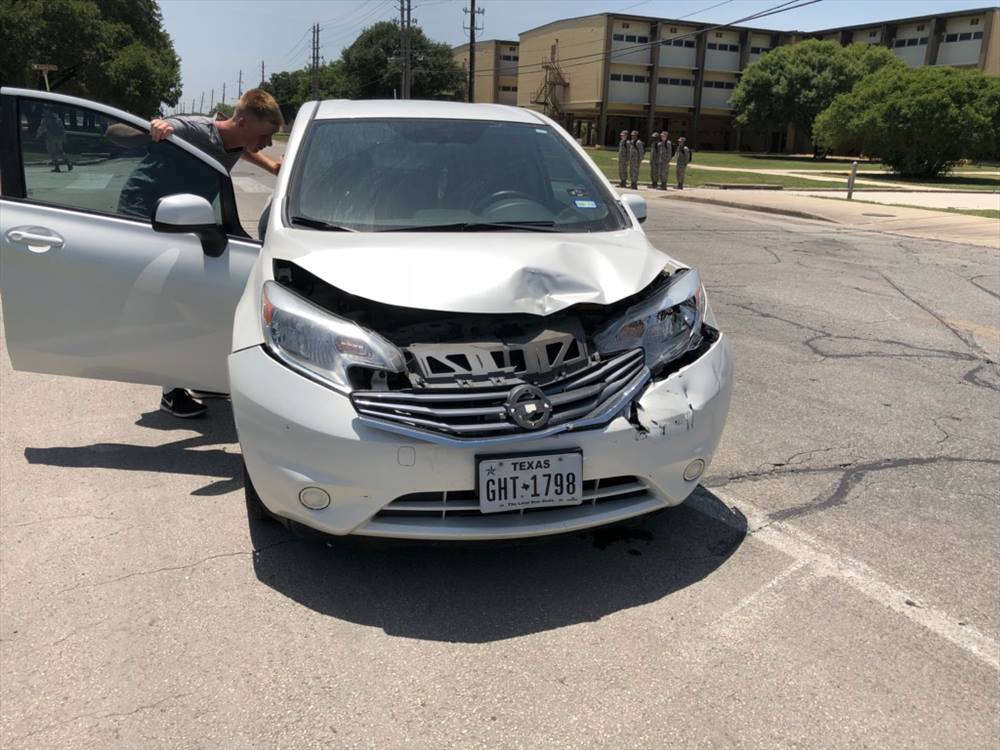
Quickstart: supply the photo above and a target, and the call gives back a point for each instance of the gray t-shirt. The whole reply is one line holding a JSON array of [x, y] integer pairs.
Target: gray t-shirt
[[164, 171]]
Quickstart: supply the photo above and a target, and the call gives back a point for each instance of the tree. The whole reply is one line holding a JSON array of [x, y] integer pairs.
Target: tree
[[113, 51], [371, 66], [920, 121], [291, 88], [792, 84]]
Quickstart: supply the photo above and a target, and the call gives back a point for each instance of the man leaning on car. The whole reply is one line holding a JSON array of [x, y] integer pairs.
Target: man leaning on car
[[255, 120]]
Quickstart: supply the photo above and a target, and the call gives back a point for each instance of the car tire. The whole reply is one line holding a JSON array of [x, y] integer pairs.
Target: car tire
[[255, 507]]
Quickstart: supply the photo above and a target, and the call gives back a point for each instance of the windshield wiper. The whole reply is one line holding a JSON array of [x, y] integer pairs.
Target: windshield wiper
[[474, 226], [305, 221]]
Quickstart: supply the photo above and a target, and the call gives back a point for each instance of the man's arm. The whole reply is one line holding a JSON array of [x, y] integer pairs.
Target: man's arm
[[268, 165], [128, 137]]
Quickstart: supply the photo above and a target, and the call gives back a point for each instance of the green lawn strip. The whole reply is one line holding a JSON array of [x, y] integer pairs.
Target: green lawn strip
[[986, 213], [953, 181], [746, 161]]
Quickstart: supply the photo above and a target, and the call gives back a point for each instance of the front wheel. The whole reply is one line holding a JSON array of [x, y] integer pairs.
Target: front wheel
[[255, 508]]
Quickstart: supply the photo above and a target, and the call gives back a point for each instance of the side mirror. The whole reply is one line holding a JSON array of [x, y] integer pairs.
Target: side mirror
[[637, 203], [190, 214]]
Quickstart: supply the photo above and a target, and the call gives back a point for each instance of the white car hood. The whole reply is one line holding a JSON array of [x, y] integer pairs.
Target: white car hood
[[513, 272]]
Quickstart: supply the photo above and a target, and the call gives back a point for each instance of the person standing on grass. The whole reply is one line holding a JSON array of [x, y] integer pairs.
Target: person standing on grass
[[654, 158], [636, 151], [623, 149], [683, 159], [54, 131], [664, 151]]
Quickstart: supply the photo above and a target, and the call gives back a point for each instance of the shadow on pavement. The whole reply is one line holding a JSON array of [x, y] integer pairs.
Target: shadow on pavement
[[183, 456], [476, 593]]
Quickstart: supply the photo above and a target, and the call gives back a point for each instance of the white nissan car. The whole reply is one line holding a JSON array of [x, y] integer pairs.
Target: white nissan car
[[455, 328]]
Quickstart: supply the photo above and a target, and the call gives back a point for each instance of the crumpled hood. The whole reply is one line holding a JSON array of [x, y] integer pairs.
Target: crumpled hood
[[513, 272]]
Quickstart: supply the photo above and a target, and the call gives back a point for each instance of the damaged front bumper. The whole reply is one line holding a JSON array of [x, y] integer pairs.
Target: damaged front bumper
[[297, 434]]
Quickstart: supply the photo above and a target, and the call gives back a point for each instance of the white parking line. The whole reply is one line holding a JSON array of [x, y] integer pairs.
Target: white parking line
[[827, 561]]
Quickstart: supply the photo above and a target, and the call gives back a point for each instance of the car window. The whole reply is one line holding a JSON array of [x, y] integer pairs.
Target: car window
[[76, 158], [393, 174]]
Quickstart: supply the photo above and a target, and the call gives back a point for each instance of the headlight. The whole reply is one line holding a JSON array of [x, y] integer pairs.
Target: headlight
[[319, 344], [667, 325]]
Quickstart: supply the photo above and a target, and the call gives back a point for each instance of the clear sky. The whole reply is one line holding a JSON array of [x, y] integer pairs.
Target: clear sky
[[217, 38]]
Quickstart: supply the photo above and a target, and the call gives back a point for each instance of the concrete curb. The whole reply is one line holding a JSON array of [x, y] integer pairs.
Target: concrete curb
[[761, 209]]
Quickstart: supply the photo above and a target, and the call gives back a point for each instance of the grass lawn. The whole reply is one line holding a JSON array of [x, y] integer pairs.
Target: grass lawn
[[739, 160], [966, 181]]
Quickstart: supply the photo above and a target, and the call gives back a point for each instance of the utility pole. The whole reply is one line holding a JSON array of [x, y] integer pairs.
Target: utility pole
[[201, 109], [405, 63], [223, 92], [315, 62], [192, 106], [472, 12], [240, 89], [261, 72], [212, 103]]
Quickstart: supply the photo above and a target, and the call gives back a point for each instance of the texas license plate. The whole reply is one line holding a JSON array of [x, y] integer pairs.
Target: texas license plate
[[531, 481]]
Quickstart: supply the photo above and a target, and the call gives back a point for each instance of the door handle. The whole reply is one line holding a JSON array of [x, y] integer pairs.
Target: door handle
[[38, 239]]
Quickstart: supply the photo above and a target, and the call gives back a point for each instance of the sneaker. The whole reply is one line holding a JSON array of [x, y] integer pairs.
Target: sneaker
[[179, 403], [202, 395]]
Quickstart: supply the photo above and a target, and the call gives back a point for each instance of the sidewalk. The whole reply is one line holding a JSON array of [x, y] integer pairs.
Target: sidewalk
[[909, 222]]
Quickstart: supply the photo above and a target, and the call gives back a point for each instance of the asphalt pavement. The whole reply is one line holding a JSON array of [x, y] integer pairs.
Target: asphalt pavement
[[835, 583]]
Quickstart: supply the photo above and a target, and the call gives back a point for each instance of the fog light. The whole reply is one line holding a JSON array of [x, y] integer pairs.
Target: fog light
[[314, 498], [694, 470]]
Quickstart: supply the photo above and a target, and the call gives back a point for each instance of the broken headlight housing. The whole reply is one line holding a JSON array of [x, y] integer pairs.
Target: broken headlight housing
[[666, 325], [318, 344]]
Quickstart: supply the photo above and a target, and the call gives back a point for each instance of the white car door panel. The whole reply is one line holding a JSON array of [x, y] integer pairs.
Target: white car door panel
[[91, 291]]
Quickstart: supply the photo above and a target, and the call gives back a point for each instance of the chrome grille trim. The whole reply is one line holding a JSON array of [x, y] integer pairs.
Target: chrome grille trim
[[465, 502], [578, 402]]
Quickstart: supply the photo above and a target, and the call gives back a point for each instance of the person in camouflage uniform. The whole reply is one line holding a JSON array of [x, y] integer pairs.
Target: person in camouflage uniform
[[637, 150], [622, 158], [654, 164], [664, 152], [683, 159]]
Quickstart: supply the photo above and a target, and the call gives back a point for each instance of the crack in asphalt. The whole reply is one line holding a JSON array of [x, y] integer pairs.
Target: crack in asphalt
[[172, 568], [942, 429], [981, 287], [852, 473]]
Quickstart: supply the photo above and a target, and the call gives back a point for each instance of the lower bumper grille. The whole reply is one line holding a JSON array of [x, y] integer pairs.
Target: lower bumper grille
[[588, 397], [466, 503]]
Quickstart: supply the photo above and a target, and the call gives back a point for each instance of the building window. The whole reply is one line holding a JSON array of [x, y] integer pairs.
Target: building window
[[642, 79], [718, 35], [627, 78], [912, 42], [734, 48], [922, 41], [712, 45], [974, 22], [616, 76], [673, 29], [630, 37], [900, 43], [625, 26], [662, 81], [515, 58], [678, 42], [872, 34], [965, 36], [686, 82], [920, 27], [618, 37], [977, 35], [642, 39], [951, 37], [689, 44]]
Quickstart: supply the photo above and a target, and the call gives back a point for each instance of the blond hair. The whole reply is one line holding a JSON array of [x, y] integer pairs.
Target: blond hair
[[260, 105]]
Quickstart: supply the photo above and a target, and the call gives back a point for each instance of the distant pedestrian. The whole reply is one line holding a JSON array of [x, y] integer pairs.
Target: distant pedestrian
[[637, 150], [623, 149], [664, 152], [683, 159], [54, 131], [654, 158]]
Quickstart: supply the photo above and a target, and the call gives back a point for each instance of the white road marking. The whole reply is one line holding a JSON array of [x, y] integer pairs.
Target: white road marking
[[827, 561], [250, 185]]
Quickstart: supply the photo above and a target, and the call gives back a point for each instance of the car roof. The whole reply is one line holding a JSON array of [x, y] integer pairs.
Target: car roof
[[411, 108]]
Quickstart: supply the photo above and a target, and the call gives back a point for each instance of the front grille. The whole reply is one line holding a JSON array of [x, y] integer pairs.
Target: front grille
[[466, 502], [590, 394]]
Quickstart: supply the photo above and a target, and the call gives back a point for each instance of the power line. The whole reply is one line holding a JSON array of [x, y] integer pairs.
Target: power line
[[591, 57]]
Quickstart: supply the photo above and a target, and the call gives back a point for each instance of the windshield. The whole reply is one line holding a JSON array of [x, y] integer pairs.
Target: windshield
[[450, 175]]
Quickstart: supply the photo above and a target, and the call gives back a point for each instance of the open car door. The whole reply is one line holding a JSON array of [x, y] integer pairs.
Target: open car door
[[88, 287]]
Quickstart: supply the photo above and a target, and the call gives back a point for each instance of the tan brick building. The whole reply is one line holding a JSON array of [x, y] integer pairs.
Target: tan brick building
[[497, 66], [607, 72]]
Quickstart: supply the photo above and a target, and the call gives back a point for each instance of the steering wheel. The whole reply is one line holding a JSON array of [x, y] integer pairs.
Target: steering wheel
[[500, 195]]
